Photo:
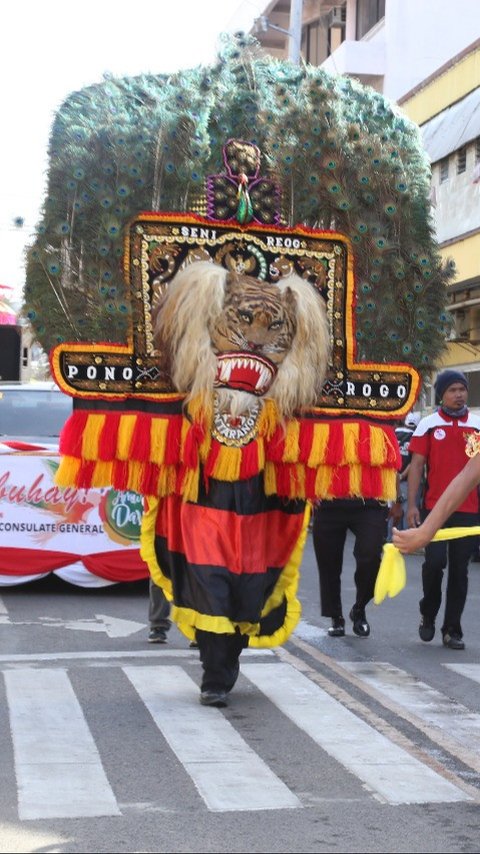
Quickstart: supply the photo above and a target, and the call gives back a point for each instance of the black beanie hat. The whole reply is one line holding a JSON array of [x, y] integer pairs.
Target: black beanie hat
[[446, 379]]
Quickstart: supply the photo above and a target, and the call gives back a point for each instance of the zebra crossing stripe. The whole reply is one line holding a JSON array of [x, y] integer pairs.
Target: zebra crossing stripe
[[387, 769], [227, 773], [446, 717], [470, 671], [116, 654], [3, 612], [58, 768]]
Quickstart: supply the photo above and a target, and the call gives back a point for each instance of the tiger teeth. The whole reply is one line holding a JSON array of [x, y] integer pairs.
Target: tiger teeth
[[225, 371], [263, 379], [228, 365]]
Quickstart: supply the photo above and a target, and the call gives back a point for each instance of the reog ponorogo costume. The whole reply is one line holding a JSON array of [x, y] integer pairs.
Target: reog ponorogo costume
[[240, 396], [218, 416]]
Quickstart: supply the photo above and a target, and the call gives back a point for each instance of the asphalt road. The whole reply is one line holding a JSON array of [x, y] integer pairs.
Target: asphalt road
[[344, 744]]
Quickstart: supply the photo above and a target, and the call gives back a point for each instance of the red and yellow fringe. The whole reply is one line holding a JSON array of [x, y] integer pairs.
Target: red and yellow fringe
[[163, 454]]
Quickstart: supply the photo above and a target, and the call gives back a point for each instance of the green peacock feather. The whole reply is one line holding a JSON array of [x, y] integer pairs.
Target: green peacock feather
[[345, 157]]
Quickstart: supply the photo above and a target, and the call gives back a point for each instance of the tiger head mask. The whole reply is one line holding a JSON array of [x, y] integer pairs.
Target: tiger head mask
[[243, 339]]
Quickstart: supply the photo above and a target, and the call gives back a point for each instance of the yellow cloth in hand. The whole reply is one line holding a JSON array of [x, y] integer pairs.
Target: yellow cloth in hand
[[456, 533], [392, 575]]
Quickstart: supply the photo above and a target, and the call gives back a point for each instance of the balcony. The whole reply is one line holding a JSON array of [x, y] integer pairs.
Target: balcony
[[364, 60]]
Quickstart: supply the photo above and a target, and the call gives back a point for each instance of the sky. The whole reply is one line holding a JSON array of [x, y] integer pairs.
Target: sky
[[51, 48]]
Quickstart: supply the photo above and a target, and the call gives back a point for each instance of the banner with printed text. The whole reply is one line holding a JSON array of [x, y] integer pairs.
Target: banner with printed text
[[89, 537]]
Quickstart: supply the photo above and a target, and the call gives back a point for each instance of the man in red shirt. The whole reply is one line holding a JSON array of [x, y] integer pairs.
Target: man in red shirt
[[438, 447]]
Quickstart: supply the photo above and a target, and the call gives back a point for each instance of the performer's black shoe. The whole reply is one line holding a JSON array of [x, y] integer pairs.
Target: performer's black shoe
[[214, 698], [359, 620], [426, 629], [453, 640], [337, 629]]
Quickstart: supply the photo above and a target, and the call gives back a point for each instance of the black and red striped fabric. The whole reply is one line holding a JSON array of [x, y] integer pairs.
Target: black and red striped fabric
[[225, 553]]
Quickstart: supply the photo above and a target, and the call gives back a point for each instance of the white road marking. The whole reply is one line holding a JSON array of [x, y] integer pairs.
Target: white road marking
[[4, 618], [228, 774], [470, 671], [114, 627], [308, 632], [391, 772], [150, 649], [422, 701], [60, 774], [58, 768]]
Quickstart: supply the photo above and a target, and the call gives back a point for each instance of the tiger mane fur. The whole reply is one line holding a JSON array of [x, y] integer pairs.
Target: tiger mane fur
[[193, 304]]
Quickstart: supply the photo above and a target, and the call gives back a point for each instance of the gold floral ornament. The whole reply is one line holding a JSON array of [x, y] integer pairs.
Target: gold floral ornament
[[473, 445]]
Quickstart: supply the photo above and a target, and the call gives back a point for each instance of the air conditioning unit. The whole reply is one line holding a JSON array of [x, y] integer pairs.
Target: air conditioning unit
[[337, 17]]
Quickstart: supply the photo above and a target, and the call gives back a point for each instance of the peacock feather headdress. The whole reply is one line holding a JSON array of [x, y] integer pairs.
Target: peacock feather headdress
[[344, 157]]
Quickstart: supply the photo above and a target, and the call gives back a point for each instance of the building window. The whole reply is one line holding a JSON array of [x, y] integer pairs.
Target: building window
[[476, 167], [314, 43], [320, 38], [461, 159], [444, 170], [369, 12]]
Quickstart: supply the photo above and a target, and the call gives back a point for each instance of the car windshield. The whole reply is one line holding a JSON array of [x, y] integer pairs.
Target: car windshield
[[33, 412]]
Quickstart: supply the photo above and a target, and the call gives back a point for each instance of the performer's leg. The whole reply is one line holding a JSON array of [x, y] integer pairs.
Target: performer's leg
[[459, 554], [329, 533], [235, 644], [219, 654], [432, 577], [158, 614], [369, 526], [158, 607]]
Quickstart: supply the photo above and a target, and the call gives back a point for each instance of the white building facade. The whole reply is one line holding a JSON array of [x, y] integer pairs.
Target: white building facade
[[425, 56]]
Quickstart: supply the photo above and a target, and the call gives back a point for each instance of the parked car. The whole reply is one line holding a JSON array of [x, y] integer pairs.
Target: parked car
[[32, 413]]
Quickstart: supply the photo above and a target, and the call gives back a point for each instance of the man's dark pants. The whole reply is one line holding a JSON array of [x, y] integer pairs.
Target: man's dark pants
[[332, 520], [456, 554]]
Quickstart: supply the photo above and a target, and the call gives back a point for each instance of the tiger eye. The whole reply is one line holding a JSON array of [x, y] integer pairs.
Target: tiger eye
[[246, 316]]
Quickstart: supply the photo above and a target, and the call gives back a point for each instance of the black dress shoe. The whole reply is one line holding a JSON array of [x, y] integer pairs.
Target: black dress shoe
[[214, 698], [359, 620], [337, 629]]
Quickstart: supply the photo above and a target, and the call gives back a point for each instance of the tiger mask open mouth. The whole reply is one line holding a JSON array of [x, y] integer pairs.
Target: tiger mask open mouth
[[244, 371]]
